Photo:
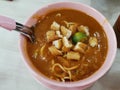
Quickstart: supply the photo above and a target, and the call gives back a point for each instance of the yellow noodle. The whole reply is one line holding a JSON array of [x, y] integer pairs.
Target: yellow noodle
[[66, 77], [71, 68], [68, 23], [70, 75], [63, 79], [42, 50], [36, 53], [52, 62], [58, 14], [65, 69], [59, 65]]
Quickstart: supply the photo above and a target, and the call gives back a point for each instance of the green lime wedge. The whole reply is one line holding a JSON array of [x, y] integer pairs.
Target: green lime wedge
[[79, 37]]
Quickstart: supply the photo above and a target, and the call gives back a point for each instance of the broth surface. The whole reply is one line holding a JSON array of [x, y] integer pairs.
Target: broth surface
[[89, 62]]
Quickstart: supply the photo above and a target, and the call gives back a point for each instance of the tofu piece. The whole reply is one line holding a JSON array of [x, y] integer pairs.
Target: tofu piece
[[55, 26], [59, 34], [51, 35], [84, 29], [93, 41], [80, 47], [65, 49], [73, 55], [57, 43], [66, 44], [54, 51], [66, 32], [73, 28]]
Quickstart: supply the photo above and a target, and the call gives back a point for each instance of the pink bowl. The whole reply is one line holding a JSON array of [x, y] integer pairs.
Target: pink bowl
[[82, 84]]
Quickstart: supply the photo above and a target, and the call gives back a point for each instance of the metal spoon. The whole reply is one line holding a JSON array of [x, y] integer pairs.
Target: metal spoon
[[10, 24]]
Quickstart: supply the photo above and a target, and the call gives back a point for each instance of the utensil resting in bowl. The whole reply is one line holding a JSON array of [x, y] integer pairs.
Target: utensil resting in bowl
[[10, 24]]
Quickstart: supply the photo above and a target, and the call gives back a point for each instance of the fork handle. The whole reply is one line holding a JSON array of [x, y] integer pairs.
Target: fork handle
[[7, 23]]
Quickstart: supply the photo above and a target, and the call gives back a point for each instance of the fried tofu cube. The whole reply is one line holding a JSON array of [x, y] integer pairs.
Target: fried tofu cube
[[80, 47], [59, 34], [84, 29], [51, 35], [73, 55], [93, 41], [66, 32], [66, 43], [73, 27], [54, 51], [57, 43], [55, 26], [65, 49]]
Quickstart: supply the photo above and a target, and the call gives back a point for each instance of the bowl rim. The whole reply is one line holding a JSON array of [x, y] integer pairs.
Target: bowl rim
[[43, 78]]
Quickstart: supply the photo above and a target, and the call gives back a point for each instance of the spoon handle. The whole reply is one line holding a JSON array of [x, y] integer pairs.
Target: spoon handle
[[10, 24], [7, 23]]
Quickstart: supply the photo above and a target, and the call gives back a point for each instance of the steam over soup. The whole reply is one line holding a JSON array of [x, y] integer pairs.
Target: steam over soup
[[70, 45]]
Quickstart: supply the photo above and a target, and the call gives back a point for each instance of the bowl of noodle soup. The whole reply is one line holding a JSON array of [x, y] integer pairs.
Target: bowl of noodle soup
[[74, 46]]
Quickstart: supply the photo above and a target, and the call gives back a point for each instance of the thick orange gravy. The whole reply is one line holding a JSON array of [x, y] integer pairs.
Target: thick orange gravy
[[88, 63]]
